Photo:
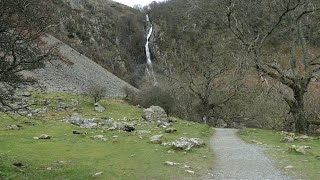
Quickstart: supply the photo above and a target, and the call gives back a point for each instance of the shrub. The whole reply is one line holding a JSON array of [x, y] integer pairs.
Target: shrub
[[96, 92], [151, 96]]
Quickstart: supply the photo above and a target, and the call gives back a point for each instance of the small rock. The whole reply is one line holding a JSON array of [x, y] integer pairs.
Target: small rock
[[99, 137], [287, 139], [143, 132], [303, 137], [172, 120], [170, 152], [163, 124], [288, 167], [99, 108], [169, 163], [50, 168], [44, 136], [58, 162], [77, 132], [157, 139], [128, 128], [318, 157], [19, 165], [36, 138], [97, 174], [189, 171], [13, 127], [29, 123], [257, 142], [307, 147], [170, 130]]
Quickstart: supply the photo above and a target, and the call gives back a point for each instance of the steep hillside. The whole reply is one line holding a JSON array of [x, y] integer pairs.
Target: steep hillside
[[107, 32], [72, 71]]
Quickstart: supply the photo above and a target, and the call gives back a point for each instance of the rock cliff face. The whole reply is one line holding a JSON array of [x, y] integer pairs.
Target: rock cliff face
[[109, 33], [72, 71]]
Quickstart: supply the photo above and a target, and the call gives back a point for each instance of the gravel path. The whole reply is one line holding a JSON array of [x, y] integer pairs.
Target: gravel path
[[239, 160]]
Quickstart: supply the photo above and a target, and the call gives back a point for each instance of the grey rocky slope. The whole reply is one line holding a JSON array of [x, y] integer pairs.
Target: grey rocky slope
[[239, 160], [74, 72]]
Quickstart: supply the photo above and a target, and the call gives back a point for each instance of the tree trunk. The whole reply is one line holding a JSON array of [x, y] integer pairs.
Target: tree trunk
[[297, 110]]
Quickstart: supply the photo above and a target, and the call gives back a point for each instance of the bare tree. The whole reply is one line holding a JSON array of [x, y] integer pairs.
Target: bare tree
[[22, 22], [277, 36], [211, 77]]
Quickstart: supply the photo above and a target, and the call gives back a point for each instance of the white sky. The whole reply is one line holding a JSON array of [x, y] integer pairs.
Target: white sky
[[134, 2]]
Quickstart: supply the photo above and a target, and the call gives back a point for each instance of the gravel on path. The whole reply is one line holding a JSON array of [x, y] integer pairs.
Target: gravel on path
[[239, 160]]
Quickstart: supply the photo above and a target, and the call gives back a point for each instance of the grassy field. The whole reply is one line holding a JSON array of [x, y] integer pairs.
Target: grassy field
[[304, 166], [69, 156]]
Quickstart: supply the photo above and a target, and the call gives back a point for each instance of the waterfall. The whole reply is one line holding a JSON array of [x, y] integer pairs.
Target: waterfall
[[149, 68]]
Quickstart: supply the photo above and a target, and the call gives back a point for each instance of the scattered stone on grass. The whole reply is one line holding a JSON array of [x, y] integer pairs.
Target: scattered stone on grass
[[189, 171], [44, 136], [99, 137], [58, 162], [19, 165], [172, 120], [170, 130], [99, 108], [29, 123], [156, 139], [143, 132], [51, 168], [77, 120], [257, 142], [163, 124], [169, 163], [13, 127], [288, 167], [318, 157], [187, 143], [287, 139], [299, 149], [97, 174], [128, 127], [78, 132], [303, 137]]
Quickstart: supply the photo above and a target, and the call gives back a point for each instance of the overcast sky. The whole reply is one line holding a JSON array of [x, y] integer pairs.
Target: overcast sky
[[134, 2]]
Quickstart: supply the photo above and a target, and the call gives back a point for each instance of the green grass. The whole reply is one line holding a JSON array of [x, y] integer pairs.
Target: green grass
[[130, 157], [304, 166]]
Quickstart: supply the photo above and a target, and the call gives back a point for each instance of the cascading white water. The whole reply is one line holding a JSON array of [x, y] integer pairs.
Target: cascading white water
[[149, 68]]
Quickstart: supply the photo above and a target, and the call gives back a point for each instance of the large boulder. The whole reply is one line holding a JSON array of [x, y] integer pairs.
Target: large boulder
[[154, 113], [99, 108], [187, 143]]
